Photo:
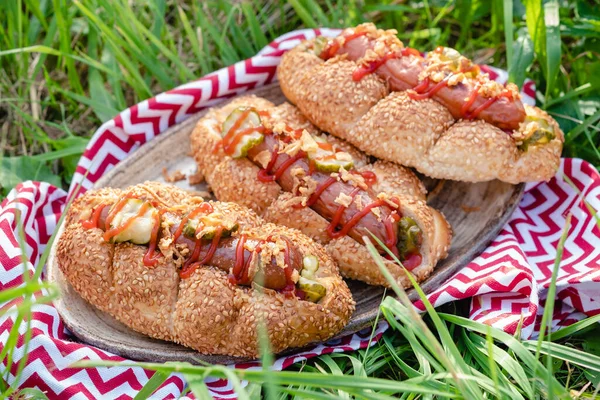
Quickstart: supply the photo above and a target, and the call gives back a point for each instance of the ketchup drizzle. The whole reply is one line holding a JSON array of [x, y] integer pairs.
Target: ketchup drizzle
[[114, 211], [335, 221], [206, 208], [240, 266], [473, 114], [422, 86], [234, 135], [423, 91], [234, 139], [202, 208], [263, 174], [464, 110], [239, 274], [151, 258], [412, 261], [334, 45], [421, 95], [190, 266], [374, 65], [391, 239], [288, 163], [115, 231], [290, 288], [217, 146], [369, 177], [94, 218], [266, 175], [317, 193]]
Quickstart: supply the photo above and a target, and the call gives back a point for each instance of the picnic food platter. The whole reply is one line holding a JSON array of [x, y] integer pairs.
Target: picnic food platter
[[293, 196], [476, 212]]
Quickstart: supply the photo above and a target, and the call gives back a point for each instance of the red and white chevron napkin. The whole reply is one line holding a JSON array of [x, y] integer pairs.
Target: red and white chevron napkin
[[507, 282]]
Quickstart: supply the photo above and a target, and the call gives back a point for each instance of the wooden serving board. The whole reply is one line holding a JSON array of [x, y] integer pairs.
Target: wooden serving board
[[476, 212]]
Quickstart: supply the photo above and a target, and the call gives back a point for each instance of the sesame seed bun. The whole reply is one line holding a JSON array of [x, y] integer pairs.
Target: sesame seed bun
[[236, 181], [395, 179]]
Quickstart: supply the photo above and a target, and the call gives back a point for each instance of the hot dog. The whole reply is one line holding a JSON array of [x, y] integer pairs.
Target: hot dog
[[172, 266], [388, 100], [325, 195]]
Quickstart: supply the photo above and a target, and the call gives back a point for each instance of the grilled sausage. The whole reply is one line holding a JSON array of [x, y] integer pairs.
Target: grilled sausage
[[325, 204], [403, 74], [270, 275]]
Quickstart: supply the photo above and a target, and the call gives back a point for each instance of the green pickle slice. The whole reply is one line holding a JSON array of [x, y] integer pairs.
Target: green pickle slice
[[329, 161], [251, 120], [332, 165], [319, 45], [140, 230], [409, 237], [209, 228], [451, 55], [542, 135], [313, 290]]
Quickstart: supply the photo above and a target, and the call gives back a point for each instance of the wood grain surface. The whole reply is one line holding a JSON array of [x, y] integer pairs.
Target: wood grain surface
[[476, 212]]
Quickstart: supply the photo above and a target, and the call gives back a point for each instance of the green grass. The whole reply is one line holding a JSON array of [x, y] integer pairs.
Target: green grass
[[67, 66]]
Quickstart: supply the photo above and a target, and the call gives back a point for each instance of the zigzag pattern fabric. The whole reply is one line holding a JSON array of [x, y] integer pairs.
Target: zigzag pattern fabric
[[507, 282]]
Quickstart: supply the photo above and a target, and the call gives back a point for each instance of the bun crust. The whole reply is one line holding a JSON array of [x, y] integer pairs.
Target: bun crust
[[417, 133], [205, 311]]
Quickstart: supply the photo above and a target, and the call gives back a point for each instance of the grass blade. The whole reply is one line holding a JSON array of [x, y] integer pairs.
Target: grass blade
[[256, 30], [529, 361], [579, 91], [63, 22], [193, 39], [347, 383], [550, 297], [570, 354], [534, 16], [575, 328], [553, 45], [449, 355], [117, 45], [579, 129], [157, 379], [505, 361], [522, 58], [197, 386], [508, 31], [304, 14]]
